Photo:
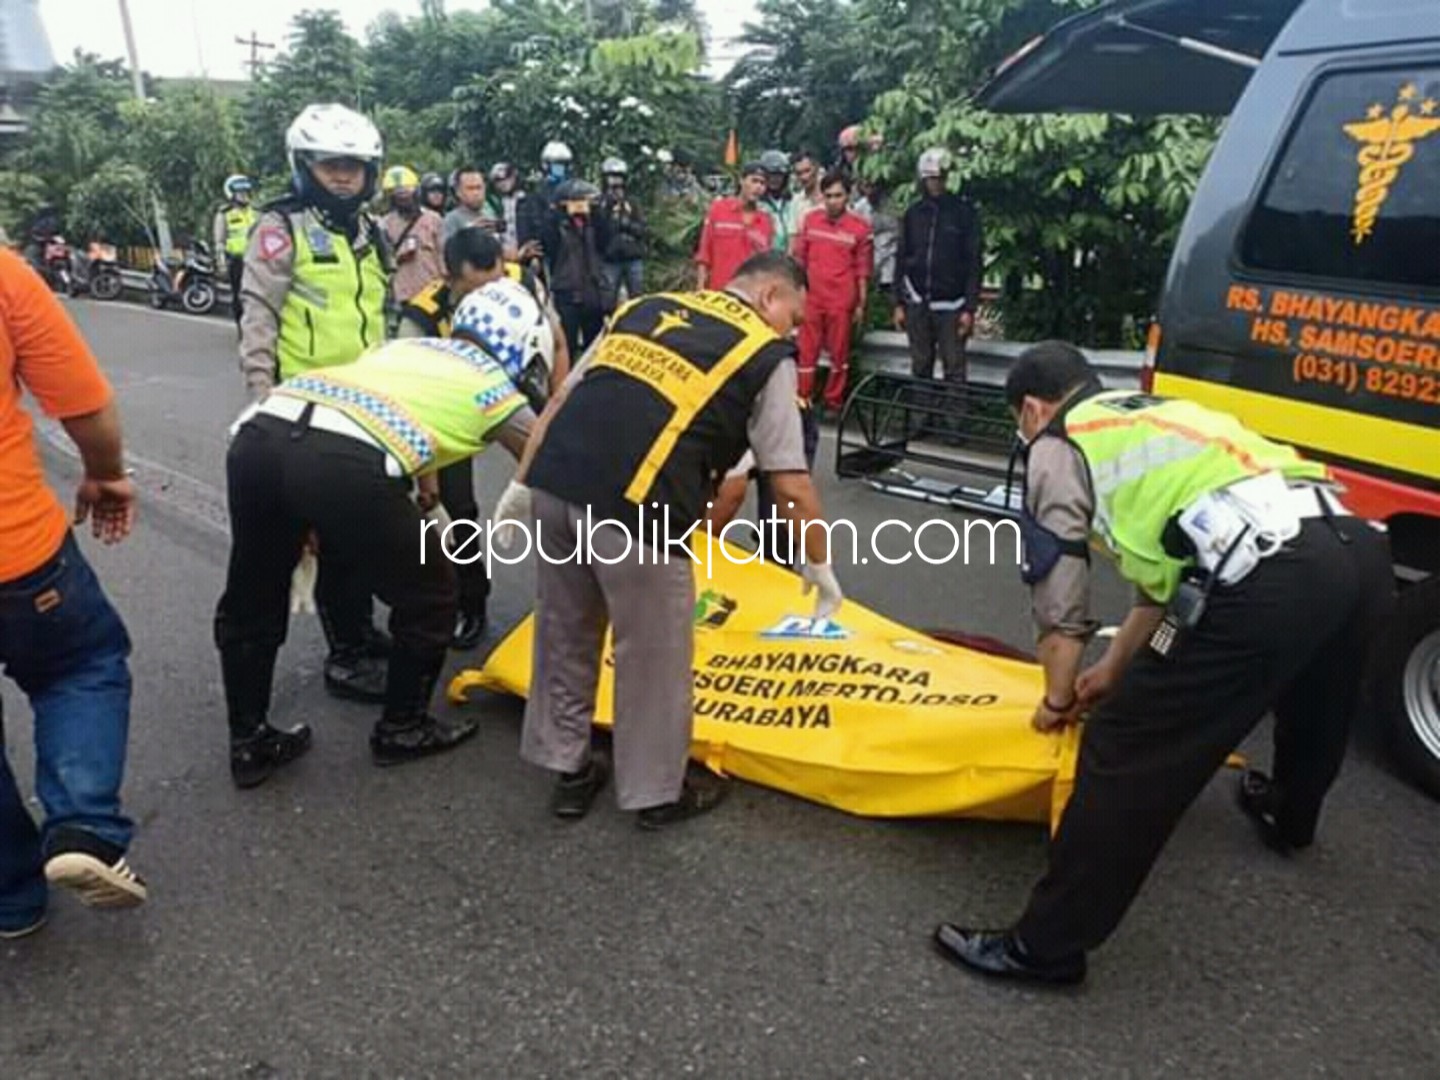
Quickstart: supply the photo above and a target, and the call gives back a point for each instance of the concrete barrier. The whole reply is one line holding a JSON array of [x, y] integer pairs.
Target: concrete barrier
[[887, 350]]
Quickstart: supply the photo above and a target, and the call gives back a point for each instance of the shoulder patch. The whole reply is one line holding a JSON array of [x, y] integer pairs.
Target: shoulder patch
[[272, 241]]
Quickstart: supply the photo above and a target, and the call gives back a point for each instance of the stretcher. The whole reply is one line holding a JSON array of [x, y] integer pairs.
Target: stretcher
[[856, 712]]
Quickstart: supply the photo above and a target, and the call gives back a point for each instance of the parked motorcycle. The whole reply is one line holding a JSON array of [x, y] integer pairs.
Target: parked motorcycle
[[97, 272], [190, 282]]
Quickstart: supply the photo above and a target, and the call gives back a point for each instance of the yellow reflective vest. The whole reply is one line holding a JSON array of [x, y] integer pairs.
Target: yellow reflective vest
[[335, 309]]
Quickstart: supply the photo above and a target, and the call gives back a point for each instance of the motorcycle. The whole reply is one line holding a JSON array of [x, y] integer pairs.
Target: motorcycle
[[55, 261], [189, 283], [97, 272]]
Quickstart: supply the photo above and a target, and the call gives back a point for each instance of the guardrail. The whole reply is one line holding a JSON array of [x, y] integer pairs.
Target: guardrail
[[887, 350], [881, 350]]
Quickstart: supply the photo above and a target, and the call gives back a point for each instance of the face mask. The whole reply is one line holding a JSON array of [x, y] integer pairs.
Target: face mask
[[556, 173]]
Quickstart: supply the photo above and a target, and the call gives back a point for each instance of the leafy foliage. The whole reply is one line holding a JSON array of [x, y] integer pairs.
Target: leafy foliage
[[114, 203], [1080, 211]]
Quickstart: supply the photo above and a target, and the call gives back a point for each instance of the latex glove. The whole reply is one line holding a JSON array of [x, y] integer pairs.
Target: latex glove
[[512, 509], [302, 584], [821, 578]]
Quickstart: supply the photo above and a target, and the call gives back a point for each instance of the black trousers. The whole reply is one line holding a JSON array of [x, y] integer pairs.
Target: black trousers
[[1292, 638], [285, 479], [235, 270], [457, 495], [582, 325]]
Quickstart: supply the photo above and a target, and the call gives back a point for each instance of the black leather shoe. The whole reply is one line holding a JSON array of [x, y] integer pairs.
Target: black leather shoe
[[1259, 799], [699, 796], [997, 953], [254, 759], [469, 629], [394, 742], [575, 792], [356, 678]]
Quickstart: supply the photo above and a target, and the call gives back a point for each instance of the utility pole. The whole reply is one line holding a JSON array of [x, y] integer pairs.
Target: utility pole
[[162, 226], [255, 46]]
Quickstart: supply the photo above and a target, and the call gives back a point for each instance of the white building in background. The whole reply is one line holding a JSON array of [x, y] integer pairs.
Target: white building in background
[[25, 60]]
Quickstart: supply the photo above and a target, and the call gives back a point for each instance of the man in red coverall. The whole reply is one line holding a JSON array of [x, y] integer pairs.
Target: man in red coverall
[[735, 228], [837, 248]]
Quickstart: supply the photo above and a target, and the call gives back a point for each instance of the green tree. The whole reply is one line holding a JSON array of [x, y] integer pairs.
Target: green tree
[[187, 141], [113, 203], [323, 63], [76, 125], [21, 194], [807, 73], [1080, 211], [631, 97]]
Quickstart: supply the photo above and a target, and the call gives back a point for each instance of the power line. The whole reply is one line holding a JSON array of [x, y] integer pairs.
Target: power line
[[255, 46]]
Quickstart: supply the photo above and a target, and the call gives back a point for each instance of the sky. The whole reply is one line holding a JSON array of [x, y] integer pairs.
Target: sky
[[197, 37]]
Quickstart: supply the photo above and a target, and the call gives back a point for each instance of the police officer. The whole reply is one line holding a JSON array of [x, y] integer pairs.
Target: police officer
[[315, 286], [1256, 590], [231, 232], [335, 450], [475, 263], [695, 376]]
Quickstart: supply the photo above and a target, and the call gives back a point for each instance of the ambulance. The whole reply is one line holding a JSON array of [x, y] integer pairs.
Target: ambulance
[[1304, 292]]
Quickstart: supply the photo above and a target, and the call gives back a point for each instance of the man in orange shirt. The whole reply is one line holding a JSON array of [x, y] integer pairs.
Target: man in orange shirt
[[60, 639]]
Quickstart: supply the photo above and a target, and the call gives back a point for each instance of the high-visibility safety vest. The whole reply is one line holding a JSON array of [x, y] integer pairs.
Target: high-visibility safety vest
[[239, 220], [431, 309], [660, 414], [431, 403], [335, 308], [1150, 458]]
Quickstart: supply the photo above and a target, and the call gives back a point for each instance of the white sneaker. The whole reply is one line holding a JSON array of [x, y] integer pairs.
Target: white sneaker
[[97, 885]]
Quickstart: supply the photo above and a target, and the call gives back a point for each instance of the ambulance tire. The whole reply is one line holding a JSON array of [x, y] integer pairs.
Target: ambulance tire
[[1409, 685]]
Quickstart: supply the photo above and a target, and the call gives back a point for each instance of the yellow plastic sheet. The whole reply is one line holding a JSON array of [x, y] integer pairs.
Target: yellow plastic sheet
[[858, 712]]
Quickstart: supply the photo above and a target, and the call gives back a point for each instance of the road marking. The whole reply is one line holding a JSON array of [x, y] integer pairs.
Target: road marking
[[192, 320]]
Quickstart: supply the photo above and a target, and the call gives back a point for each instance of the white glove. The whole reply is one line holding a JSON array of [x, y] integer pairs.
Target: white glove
[[513, 507], [821, 578], [302, 584]]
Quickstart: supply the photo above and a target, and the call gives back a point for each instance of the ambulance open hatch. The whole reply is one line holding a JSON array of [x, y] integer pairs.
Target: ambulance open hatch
[[1141, 57]]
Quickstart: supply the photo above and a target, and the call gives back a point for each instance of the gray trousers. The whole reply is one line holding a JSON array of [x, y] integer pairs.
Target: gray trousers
[[933, 333], [652, 612]]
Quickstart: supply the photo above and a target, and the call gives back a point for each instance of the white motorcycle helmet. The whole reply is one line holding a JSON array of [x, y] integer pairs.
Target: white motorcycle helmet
[[323, 132], [556, 162], [556, 153], [505, 321]]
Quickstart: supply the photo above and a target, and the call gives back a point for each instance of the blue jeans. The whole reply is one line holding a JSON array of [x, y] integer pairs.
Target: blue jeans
[[64, 644], [630, 273]]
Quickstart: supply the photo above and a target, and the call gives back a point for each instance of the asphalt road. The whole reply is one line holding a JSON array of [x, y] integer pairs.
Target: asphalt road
[[345, 921]]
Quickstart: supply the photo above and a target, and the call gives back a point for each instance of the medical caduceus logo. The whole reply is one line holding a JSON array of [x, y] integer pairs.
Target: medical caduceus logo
[[1387, 143]]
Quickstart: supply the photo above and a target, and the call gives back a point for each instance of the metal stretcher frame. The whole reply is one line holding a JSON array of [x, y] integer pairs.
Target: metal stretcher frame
[[892, 420]]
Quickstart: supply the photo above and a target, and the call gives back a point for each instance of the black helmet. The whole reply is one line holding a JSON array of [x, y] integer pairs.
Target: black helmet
[[431, 182], [576, 190], [775, 162]]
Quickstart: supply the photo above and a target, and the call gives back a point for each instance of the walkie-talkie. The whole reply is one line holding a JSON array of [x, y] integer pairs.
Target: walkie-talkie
[[1187, 606]]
